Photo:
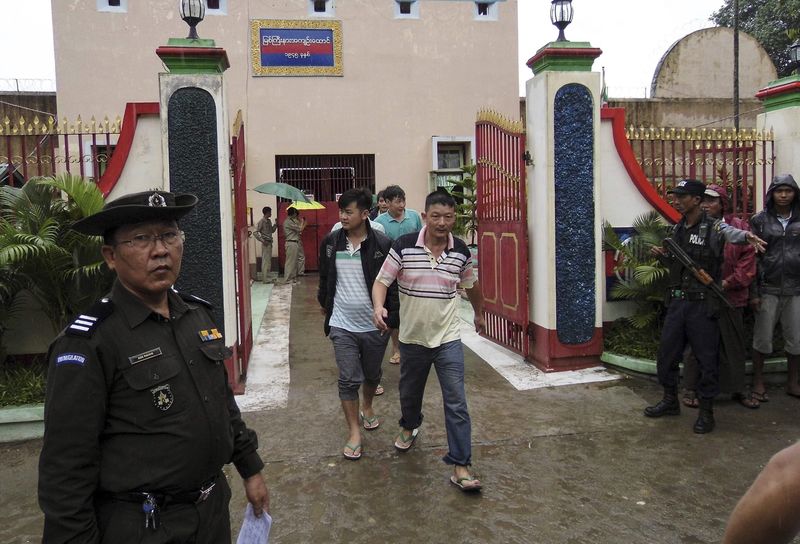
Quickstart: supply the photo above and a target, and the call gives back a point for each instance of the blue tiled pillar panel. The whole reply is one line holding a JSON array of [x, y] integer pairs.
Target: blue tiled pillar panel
[[193, 168], [574, 214]]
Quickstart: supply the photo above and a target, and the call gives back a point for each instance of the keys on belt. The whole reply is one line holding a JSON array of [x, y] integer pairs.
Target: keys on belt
[[152, 503]]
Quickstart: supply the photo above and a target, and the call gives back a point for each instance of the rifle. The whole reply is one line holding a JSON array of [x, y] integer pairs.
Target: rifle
[[701, 275]]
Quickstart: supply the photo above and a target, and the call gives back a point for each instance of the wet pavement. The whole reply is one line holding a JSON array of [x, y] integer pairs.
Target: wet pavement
[[567, 464]]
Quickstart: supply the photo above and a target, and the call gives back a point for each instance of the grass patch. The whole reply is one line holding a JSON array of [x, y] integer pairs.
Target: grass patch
[[623, 339], [22, 381]]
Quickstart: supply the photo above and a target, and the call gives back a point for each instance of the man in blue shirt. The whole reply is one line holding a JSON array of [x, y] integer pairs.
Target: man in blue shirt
[[397, 221]]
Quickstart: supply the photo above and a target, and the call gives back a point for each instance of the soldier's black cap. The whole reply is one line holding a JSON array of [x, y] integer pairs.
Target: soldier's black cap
[[137, 208], [689, 187]]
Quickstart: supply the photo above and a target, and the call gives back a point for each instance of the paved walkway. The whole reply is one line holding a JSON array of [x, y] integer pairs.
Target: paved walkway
[[570, 462]]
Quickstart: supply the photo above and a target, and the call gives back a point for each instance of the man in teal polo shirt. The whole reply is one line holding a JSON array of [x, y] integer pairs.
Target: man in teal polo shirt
[[397, 221]]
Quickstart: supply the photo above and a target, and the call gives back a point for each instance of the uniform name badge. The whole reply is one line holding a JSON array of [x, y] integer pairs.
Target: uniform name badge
[[149, 354]]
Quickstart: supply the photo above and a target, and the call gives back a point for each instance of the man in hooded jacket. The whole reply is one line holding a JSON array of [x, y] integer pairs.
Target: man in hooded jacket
[[775, 295]]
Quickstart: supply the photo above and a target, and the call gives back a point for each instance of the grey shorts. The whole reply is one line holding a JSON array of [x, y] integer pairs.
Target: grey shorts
[[359, 356], [773, 309]]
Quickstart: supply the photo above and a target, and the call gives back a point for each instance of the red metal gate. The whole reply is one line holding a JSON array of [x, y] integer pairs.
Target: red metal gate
[[242, 254], [503, 229]]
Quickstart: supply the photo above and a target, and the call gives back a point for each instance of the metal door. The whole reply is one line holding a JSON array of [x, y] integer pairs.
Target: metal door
[[242, 254], [503, 229]]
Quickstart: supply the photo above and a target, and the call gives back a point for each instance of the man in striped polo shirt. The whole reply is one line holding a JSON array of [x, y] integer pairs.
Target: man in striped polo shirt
[[429, 267], [349, 261]]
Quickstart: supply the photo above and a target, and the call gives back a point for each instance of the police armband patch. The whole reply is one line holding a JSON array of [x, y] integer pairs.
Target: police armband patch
[[70, 359], [86, 323]]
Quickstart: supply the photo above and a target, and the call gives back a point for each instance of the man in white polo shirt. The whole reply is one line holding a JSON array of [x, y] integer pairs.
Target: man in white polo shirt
[[429, 267]]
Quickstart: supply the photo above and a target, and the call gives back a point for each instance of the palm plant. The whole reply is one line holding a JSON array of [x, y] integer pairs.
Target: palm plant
[[466, 208], [9, 302], [643, 277], [62, 269]]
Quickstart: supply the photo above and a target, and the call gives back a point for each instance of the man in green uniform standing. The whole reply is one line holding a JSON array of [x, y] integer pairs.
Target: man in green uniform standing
[[263, 234], [139, 417], [295, 264]]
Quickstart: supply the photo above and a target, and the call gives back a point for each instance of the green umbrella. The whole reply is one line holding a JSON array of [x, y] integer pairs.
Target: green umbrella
[[283, 190]]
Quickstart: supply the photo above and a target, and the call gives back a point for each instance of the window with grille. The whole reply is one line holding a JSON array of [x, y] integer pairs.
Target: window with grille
[[450, 156], [325, 176]]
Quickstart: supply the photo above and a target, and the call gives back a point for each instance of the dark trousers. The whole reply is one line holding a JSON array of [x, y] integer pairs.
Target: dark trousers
[[731, 354], [448, 361], [208, 522], [688, 322]]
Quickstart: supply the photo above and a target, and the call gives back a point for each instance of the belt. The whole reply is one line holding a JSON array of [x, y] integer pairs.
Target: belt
[[163, 499], [686, 295], [293, 241]]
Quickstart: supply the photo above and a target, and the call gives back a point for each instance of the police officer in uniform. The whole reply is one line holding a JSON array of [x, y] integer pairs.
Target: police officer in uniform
[[692, 308], [139, 417]]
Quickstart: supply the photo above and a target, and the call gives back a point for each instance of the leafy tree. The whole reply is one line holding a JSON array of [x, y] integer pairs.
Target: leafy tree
[[773, 23], [644, 277], [61, 268]]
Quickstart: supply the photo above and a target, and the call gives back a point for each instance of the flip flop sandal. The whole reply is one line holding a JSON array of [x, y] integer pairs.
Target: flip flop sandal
[[464, 483], [690, 400], [402, 444], [356, 449], [395, 359], [370, 423], [379, 390], [760, 397], [748, 401]]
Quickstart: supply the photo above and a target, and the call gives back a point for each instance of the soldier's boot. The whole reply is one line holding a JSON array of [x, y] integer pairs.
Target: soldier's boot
[[667, 406], [705, 418]]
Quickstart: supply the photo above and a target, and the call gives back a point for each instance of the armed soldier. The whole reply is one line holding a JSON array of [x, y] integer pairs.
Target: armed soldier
[[693, 301]]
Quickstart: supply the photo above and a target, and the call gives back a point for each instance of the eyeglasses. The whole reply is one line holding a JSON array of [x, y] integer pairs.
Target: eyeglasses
[[146, 241]]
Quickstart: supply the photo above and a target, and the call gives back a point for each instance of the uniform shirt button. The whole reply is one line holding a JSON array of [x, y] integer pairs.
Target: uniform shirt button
[[205, 399], [191, 362]]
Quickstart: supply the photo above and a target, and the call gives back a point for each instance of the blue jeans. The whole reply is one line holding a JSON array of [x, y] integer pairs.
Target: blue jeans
[[448, 360]]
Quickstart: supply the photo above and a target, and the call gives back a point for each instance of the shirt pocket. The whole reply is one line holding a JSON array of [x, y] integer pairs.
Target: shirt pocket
[[215, 354], [156, 389], [149, 374]]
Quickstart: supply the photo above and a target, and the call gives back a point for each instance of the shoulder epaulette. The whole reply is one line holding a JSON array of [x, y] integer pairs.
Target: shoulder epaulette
[[86, 323], [197, 300]]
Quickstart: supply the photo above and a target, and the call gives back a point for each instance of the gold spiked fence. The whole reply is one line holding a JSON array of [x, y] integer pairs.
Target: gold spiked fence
[[31, 147], [741, 160]]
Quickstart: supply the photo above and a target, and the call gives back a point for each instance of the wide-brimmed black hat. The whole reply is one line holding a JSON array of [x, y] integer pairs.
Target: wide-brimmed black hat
[[137, 208], [689, 187]]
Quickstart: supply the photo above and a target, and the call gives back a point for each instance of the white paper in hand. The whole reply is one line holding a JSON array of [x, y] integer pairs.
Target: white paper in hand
[[254, 530]]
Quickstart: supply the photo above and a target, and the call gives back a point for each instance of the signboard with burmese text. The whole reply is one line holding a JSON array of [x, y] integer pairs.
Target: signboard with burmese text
[[281, 47]]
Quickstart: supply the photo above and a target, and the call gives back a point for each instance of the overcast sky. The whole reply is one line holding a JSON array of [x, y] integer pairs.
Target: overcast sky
[[633, 35]]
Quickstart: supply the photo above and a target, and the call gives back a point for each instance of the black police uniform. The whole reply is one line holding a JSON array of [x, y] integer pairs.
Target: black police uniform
[[692, 309], [138, 403]]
